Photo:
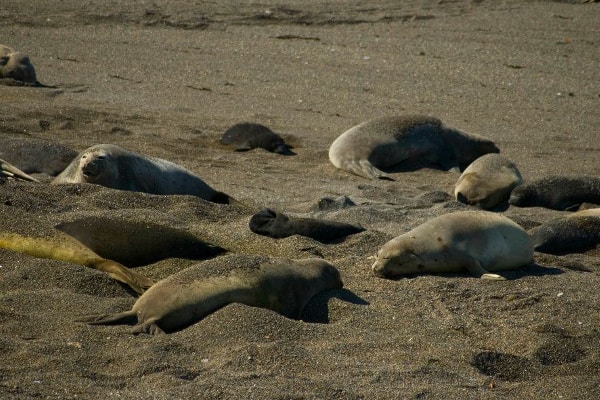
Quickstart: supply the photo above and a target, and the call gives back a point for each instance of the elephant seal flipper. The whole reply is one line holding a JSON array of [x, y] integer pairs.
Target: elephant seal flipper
[[10, 171], [477, 271]]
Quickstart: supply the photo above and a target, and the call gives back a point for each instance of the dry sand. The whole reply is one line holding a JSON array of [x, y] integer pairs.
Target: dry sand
[[168, 79]]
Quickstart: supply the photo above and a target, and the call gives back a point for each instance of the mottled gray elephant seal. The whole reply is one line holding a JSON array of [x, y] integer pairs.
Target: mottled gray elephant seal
[[573, 233], [32, 155], [248, 135], [284, 286], [476, 241], [16, 66], [557, 192], [135, 243], [487, 182], [114, 167], [277, 225], [388, 142]]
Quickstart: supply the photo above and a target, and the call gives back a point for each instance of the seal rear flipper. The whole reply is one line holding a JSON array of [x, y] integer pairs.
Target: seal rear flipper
[[149, 327], [478, 271], [365, 169], [127, 317], [10, 171]]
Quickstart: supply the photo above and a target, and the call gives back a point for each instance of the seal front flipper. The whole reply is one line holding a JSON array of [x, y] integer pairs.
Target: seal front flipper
[[478, 271], [365, 169]]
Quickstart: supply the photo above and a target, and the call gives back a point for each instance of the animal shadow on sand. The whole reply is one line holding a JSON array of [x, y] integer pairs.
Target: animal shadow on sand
[[317, 309]]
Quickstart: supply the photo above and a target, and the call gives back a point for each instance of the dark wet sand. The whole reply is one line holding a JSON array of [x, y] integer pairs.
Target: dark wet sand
[[168, 80]]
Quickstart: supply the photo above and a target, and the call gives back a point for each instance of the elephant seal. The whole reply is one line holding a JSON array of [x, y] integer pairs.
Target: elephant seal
[[248, 135], [557, 192], [16, 66], [277, 225], [65, 248], [135, 243], [387, 142], [478, 241], [573, 233], [487, 182], [114, 167], [32, 155], [182, 299]]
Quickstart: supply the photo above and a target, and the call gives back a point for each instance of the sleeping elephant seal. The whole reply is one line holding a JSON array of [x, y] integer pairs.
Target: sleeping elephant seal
[[557, 192], [274, 224], [114, 167], [487, 182], [248, 135], [573, 233], [281, 285], [476, 241], [32, 155], [385, 143]]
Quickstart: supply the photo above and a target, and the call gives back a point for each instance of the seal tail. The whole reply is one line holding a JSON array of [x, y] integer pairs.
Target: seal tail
[[125, 318]]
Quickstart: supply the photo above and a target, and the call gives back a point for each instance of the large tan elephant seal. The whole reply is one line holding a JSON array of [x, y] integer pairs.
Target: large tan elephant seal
[[386, 142], [487, 182], [115, 167], [282, 285], [476, 241]]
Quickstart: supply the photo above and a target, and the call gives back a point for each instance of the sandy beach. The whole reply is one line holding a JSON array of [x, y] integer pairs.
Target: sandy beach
[[166, 79]]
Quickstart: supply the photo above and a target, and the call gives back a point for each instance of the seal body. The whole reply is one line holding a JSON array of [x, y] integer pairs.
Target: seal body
[[387, 142], [282, 285], [476, 241], [247, 135], [487, 182], [16, 65], [557, 192], [573, 233], [114, 167], [277, 225]]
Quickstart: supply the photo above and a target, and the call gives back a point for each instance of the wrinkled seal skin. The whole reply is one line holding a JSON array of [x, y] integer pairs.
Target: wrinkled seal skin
[[32, 155], [17, 66], [574, 233], [114, 167], [249, 135], [476, 241], [281, 285], [274, 224], [557, 192], [487, 182], [384, 143]]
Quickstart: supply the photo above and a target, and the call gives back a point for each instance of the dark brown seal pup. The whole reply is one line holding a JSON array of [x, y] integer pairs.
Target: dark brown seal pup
[[385, 143], [282, 285], [274, 224], [557, 192], [248, 135], [114, 167], [573, 233]]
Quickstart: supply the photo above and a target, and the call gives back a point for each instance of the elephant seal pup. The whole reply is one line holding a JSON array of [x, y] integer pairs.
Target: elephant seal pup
[[557, 192], [573, 233], [114, 167], [33, 155], [16, 66], [487, 182], [384, 143], [248, 135], [284, 286], [62, 247], [274, 224], [478, 241]]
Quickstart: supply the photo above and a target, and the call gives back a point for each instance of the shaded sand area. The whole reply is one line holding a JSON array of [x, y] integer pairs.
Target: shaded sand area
[[168, 80]]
